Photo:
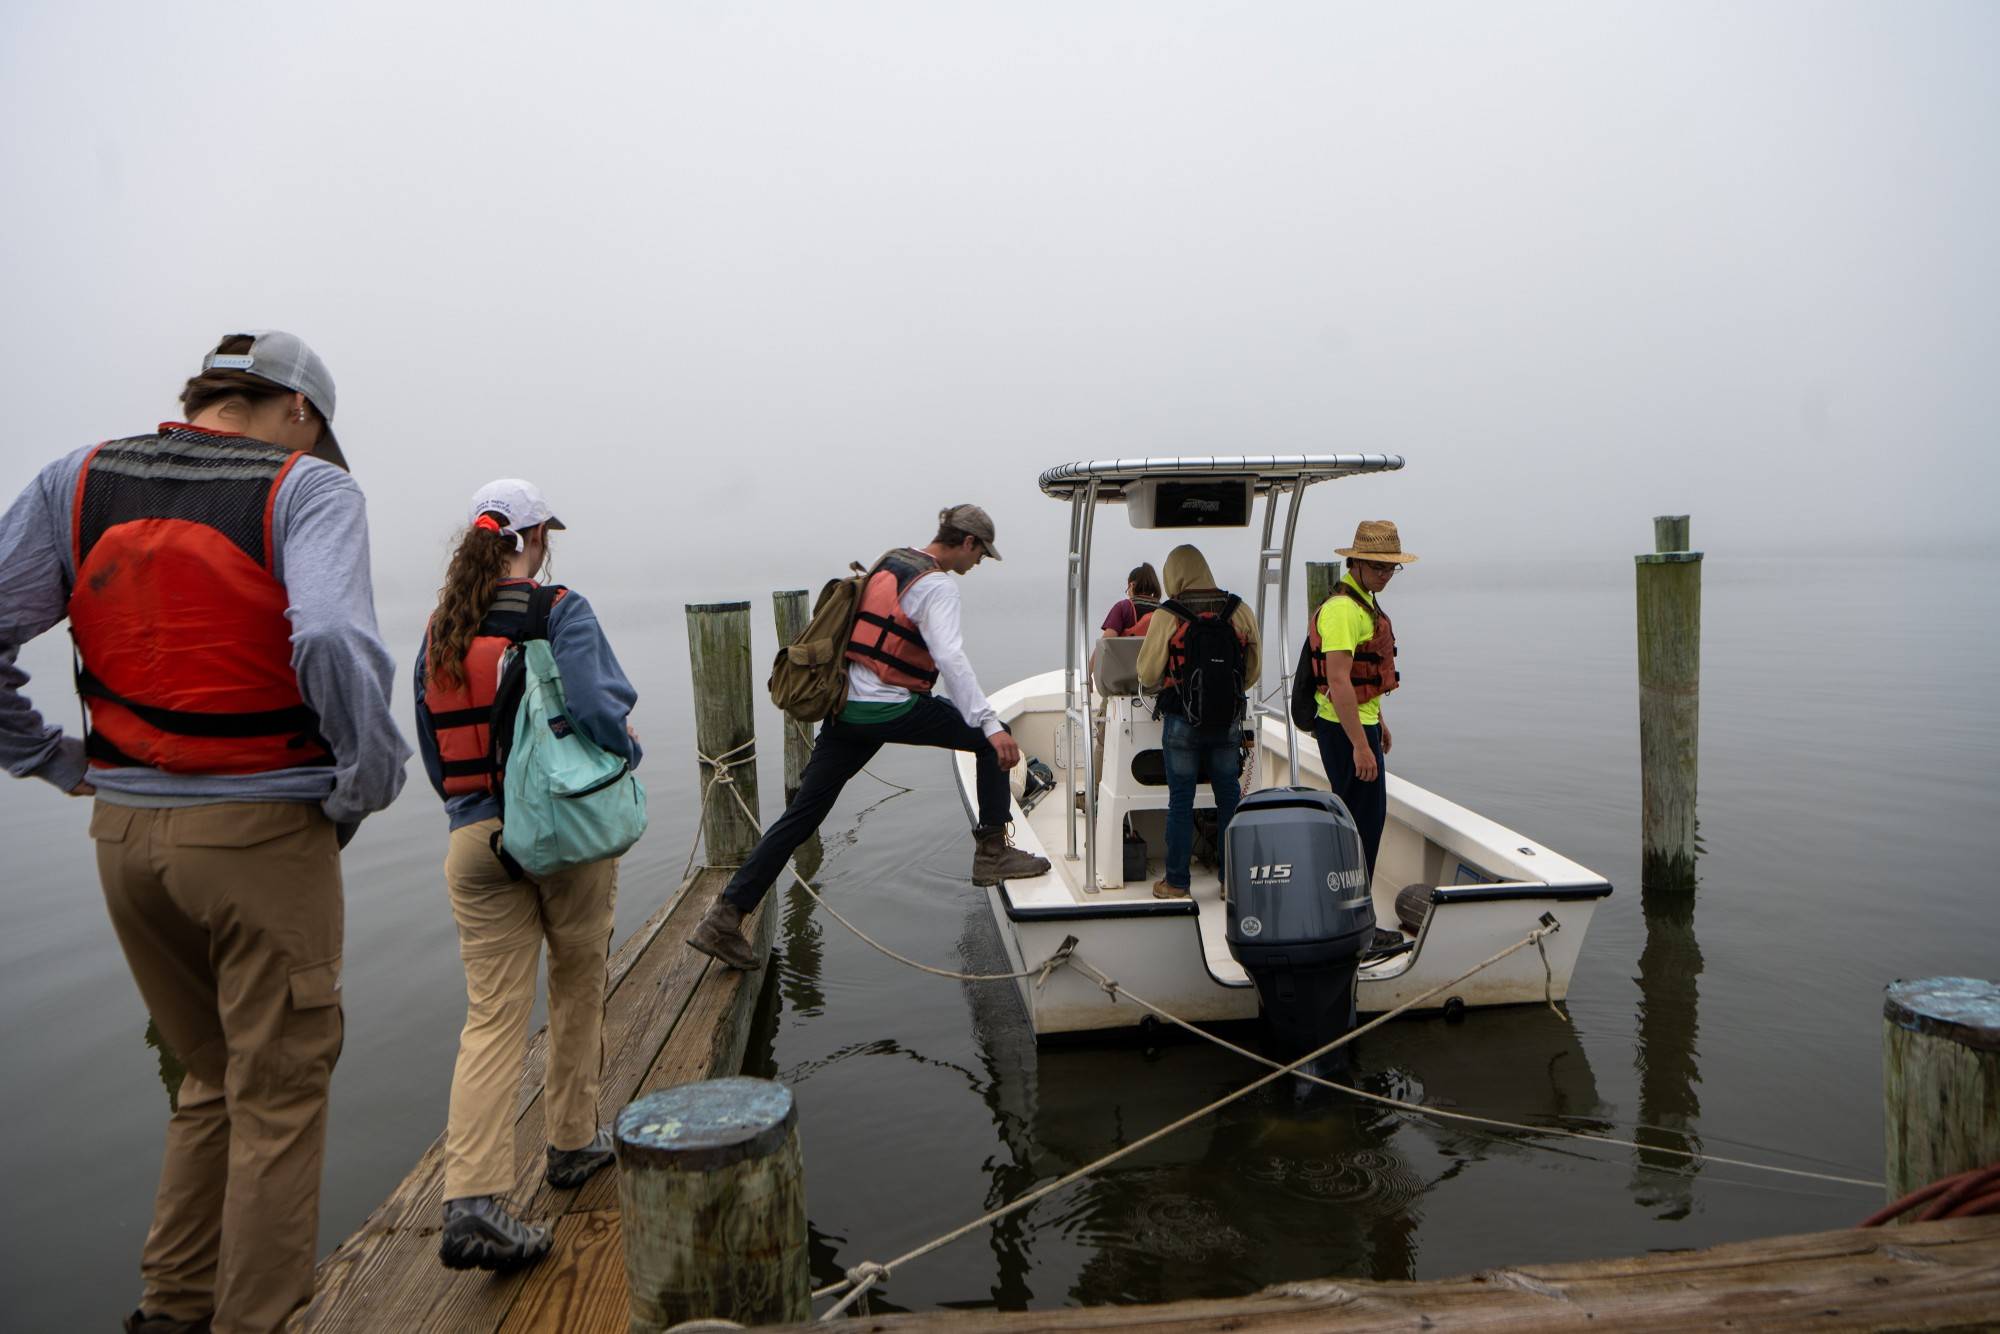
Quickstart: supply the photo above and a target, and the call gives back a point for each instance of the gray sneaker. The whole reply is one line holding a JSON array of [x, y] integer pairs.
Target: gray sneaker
[[570, 1168], [479, 1233], [719, 935]]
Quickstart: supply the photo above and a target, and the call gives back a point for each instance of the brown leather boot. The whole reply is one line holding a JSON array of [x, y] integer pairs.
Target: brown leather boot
[[1163, 890], [719, 935], [994, 859]]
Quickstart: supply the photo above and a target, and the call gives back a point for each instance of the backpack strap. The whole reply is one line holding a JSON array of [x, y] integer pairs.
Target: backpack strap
[[541, 602]]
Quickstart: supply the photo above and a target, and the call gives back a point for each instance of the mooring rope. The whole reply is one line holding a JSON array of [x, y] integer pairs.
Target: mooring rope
[[866, 1275], [806, 733], [1117, 991], [862, 1277]]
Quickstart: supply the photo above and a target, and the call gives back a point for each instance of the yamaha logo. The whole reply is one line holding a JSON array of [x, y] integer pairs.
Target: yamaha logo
[[1251, 926], [1339, 880]]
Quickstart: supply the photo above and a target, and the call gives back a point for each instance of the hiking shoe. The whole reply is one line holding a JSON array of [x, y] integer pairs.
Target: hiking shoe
[[719, 935], [479, 1233], [995, 859], [570, 1168], [1163, 890], [141, 1323]]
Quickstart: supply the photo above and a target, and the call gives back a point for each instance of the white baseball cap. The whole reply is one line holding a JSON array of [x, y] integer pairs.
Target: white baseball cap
[[520, 504]]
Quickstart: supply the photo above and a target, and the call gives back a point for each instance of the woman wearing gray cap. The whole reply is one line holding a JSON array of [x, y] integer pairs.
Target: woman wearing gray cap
[[214, 573], [490, 601]]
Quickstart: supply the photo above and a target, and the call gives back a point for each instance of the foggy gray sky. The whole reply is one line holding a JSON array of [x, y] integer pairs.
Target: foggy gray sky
[[696, 268]]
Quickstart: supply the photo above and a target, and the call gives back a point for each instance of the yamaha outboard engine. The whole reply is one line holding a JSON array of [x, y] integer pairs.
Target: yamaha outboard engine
[[1299, 910]]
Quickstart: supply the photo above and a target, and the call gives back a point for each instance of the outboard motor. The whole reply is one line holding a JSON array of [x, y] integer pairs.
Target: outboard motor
[[1299, 910]]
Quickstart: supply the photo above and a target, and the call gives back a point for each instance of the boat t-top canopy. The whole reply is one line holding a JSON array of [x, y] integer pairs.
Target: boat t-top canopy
[[1114, 476], [1199, 492]]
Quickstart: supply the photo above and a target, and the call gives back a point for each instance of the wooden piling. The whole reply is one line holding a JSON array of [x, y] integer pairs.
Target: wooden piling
[[711, 1197], [724, 729], [793, 608], [1669, 601], [1321, 576], [1940, 1079]]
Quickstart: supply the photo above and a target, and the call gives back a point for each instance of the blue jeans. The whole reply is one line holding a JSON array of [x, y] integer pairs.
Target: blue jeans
[[1186, 750]]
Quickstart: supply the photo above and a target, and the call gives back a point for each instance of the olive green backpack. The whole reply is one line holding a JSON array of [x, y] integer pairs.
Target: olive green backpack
[[809, 676]]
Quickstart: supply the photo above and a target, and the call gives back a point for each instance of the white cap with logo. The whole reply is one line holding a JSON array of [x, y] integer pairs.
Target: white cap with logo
[[519, 504]]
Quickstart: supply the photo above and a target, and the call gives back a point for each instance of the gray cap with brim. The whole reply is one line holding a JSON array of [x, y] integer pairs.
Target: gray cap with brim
[[285, 360]]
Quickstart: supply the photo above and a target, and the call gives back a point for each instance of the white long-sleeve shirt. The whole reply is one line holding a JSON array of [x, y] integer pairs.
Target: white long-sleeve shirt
[[932, 602]]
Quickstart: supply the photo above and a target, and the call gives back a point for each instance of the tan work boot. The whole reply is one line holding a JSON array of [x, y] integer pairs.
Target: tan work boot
[[719, 935], [995, 859], [1163, 890]]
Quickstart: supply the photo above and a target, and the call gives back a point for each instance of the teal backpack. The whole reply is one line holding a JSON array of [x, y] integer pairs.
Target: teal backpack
[[565, 801]]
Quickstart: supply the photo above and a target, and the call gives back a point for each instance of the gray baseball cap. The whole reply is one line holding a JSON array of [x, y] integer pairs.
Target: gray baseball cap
[[285, 360], [972, 520]]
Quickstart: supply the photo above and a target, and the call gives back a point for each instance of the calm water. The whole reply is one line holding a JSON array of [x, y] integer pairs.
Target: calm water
[[1849, 749]]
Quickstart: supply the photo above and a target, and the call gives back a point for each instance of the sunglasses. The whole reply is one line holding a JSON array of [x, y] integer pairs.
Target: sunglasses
[[1380, 567]]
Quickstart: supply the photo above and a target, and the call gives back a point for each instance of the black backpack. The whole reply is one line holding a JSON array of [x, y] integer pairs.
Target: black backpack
[[1209, 681]]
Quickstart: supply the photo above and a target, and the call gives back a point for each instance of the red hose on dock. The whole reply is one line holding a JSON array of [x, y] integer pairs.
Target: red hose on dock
[[1967, 1195]]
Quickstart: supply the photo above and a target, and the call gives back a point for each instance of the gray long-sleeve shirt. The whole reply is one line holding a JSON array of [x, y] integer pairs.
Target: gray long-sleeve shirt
[[320, 542]]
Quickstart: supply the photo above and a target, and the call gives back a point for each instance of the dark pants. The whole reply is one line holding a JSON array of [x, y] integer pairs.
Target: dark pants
[[842, 751], [1368, 803], [1185, 748]]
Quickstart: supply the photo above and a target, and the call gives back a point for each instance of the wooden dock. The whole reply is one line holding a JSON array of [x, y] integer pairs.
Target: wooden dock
[[671, 1015], [1926, 1276]]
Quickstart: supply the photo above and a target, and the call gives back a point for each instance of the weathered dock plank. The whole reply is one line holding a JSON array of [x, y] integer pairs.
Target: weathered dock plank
[[1927, 1276], [670, 1015]]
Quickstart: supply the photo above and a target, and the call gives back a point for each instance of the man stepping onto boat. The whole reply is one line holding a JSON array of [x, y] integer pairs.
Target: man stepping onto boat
[[1354, 664], [906, 641], [1201, 648]]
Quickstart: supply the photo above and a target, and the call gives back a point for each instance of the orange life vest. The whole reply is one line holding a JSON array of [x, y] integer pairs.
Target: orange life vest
[[461, 716], [1138, 628], [184, 653], [1374, 672], [884, 637]]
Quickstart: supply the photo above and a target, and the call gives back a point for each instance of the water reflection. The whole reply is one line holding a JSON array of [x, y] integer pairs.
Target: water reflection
[[1666, 1055], [1290, 1182]]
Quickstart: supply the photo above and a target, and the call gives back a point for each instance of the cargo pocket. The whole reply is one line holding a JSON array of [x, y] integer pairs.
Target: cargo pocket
[[314, 1027]]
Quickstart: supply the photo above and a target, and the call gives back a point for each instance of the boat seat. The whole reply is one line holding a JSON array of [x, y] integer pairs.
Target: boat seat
[[1118, 665], [1413, 905]]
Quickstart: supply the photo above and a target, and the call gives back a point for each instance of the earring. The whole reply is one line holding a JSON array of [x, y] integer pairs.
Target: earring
[[300, 416]]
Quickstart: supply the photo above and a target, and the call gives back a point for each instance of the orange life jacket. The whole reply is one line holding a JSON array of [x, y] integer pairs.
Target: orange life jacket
[[884, 637], [1193, 691], [1374, 672], [184, 653], [461, 716], [1138, 628]]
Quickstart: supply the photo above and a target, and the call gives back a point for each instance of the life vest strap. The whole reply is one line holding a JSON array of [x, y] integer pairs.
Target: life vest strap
[[473, 717], [911, 635], [298, 719], [856, 647]]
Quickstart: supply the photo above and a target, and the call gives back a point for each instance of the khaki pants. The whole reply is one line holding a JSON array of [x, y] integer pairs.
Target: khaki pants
[[501, 925], [230, 916]]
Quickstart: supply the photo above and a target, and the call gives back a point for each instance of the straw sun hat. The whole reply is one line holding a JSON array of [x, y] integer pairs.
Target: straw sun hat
[[1376, 539]]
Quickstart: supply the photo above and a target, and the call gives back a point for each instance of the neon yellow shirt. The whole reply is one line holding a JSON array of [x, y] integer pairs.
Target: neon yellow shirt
[[1344, 627]]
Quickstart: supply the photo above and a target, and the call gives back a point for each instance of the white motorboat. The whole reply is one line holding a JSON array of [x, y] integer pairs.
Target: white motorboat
[[1455, 886]]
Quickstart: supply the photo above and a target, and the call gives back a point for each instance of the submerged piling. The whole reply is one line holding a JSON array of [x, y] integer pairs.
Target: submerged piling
[[712, 1201], [1940, 1080], [1669, 601], [724, 728], [792, 609]]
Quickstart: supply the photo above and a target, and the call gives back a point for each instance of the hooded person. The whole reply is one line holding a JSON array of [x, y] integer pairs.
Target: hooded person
[[1201, 653]]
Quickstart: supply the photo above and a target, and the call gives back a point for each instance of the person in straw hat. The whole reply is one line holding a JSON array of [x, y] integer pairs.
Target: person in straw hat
[[1353, 654]]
